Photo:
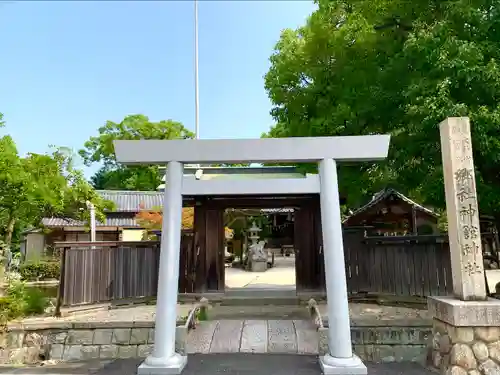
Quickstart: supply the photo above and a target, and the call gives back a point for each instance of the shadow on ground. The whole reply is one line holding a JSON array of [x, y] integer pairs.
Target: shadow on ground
[[227, 364], [75, 368]]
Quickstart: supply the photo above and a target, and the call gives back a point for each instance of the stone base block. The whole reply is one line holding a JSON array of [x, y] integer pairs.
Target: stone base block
[[342, 366], [173, 367], [259, 266], [465, 337], [374, 341], [465, 313]]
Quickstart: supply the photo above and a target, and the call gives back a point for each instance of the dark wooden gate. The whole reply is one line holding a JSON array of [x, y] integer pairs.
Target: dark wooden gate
[[205, 258], [215, 250], [320, 257], [308, 244], [204, 261], [188, 263]]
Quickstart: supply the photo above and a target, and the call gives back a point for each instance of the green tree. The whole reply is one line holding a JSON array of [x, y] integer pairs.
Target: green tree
[[114, 176], [398, 67], [41, 185]]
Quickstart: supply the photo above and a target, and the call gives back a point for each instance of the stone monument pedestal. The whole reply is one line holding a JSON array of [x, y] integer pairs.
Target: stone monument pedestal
[[465, 336], [258, 266]]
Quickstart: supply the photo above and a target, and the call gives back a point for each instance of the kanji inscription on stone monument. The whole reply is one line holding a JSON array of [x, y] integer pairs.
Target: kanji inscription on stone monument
[[462, 210]]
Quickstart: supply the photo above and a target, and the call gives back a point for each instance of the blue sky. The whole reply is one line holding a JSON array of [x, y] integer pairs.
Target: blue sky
[[67, 67]]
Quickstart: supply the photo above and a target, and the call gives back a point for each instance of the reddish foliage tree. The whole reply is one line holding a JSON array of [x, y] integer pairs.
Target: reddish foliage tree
[[152, 219]]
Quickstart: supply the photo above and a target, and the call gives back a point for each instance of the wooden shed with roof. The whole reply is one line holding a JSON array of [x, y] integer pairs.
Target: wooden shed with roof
[[120, 224], [391, 213]]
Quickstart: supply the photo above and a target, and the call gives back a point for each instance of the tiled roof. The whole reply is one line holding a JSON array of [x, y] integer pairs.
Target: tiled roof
[[276, 210], [61, 222], [127, 201], [383, 194], [121, 222], [54, 222], [130, 201]]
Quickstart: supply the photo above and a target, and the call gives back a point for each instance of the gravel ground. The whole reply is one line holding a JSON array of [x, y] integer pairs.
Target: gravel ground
[[358, 311], [139, 313], [214, 364]]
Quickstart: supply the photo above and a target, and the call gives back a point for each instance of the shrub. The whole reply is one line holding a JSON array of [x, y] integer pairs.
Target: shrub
[[21, 301], [14, 300], [40, 271], [35, 301]]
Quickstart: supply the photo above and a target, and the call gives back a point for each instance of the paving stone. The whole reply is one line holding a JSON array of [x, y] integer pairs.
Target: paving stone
[[103, 336], [15, 339], [307, 337], [56, 351], [139, 336], [129, 351], [151, 336], [144, 350], [82, 337], [58, 337], [89, 352], [200, 339], [282, 337], [72, 353], [31, 354], [108, 351], [227, 337], [121, 336], [254, 336]]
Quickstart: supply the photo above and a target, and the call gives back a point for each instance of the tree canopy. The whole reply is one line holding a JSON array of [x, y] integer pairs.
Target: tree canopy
[[152, 220], [392, 66], [41, 185], [112, 175]]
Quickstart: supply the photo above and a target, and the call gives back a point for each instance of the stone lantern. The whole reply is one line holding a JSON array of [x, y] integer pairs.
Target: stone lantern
[[253, 233], [258, 257]]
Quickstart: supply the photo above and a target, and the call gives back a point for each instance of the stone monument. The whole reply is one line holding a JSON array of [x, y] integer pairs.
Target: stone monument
[[466, 326], [257, 256]]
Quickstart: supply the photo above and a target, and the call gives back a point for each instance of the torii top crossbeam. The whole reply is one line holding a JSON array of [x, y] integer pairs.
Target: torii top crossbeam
[[303, 149]]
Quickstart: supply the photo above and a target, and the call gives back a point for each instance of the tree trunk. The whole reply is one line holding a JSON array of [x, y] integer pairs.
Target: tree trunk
[[3, 259], [497, 225], [10, 231]]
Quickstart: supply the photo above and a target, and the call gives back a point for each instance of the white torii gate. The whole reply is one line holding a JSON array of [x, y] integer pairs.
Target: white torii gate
[[326, 151]]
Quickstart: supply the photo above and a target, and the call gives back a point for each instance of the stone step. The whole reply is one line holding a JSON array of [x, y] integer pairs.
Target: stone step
[[260, 297], [253, 336], [219, 312], [260, 301]]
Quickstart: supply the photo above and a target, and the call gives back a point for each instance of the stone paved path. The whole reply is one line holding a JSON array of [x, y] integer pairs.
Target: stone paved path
[[254, 336], [214, 364], [281, 276]]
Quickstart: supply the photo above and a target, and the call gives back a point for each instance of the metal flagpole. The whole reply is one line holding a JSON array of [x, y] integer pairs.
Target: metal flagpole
[[196, 92]]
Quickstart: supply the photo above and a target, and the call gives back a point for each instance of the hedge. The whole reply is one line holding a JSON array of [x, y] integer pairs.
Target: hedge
[[40, 271]]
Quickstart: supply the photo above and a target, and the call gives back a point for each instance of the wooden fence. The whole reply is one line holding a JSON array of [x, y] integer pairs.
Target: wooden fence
[[93, 272], [104, 271], [403, 265]]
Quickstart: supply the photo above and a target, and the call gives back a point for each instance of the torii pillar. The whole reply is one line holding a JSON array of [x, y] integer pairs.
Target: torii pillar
[[326, 151]]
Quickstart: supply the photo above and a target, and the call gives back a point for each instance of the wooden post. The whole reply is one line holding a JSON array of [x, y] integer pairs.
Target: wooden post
[[414, 220], [60, 290]]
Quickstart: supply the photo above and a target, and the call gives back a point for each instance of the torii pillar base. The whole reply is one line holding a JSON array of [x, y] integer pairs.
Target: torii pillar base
[[342, 366]]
